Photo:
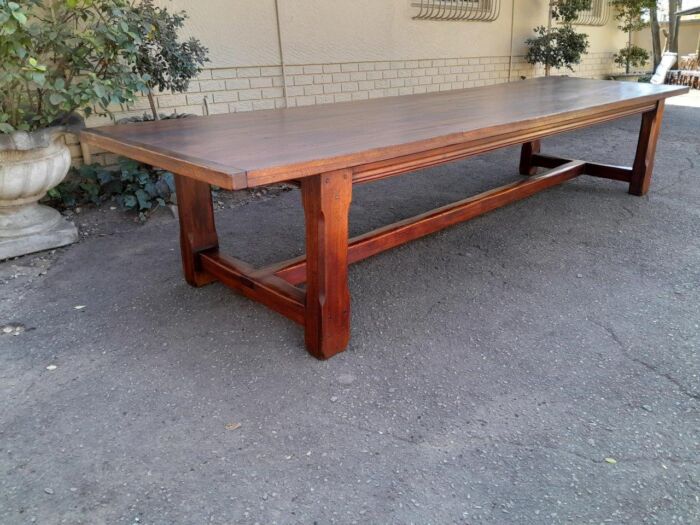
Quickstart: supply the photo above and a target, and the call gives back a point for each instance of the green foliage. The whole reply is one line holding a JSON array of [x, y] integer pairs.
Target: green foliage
[[81, 186], [630, 17], [140, 187], [630, 13], [133, 186], [566, 11], [168, 63], [632, 56], [557, 47], [62, 56]]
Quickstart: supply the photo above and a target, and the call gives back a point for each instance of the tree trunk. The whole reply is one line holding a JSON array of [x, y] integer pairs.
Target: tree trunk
[[152, 102], [547, 67], [655, 37], [673, 7], [629, 48]]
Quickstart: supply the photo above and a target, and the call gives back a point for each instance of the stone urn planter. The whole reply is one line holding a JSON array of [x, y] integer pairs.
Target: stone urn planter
[[30, 165]]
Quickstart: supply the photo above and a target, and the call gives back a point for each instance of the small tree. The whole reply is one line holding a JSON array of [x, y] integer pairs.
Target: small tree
[[630, 20], [168, 63], [559, 46], [631, 57]]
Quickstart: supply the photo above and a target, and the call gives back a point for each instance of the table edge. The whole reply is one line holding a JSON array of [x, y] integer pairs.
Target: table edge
[[226, 177]]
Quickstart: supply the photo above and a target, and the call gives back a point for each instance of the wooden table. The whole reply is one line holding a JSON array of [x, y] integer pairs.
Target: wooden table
[[329, 148]]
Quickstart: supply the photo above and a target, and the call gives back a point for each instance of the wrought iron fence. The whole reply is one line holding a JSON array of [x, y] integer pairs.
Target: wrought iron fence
[[476, 10], [597, 15]]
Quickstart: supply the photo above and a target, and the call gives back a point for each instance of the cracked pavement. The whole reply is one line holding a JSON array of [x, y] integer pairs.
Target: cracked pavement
[[536, 365]]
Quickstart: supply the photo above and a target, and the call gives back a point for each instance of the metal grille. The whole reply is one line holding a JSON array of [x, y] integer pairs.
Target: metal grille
[[597, 15], [477, 10]]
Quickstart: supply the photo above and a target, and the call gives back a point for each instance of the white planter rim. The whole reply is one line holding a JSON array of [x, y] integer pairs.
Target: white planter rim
[[41, 138], [29, 140]]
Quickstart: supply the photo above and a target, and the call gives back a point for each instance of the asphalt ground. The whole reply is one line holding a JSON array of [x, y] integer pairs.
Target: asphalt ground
[[536, 365]]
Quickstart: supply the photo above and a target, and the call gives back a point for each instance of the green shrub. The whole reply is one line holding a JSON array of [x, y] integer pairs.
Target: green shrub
[[59, 57], [557, 47], [560, 46], [632, 57], [133, 186]]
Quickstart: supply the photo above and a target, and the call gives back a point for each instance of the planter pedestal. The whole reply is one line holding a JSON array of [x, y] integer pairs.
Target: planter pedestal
[[30, 165], [33, 228]]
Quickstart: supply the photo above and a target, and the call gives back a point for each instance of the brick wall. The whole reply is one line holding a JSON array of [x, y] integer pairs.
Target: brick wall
[[252, 88]]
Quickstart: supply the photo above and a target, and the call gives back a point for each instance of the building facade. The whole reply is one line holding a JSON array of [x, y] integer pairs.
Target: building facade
[[267, 54]]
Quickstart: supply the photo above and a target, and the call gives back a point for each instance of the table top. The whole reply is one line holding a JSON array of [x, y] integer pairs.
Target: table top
[[242, 150]]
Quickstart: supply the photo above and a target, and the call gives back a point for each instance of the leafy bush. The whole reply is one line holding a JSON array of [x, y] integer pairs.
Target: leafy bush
[[567, 10], [140, 187], [59, 57], [632, 56], [133, 186], [556, 47]]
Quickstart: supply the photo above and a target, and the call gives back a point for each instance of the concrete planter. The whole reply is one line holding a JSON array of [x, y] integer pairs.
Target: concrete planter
[[30, 165], [628, 77]]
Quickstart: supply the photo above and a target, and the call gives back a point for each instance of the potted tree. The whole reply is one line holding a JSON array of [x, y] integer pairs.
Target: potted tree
[[559, 46], [630, 20], [60, 58]]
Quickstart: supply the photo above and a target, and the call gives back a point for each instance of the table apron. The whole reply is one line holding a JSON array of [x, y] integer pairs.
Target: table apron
[[400, 165]]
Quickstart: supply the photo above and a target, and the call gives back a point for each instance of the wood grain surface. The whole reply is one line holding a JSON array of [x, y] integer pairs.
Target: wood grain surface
[[240, 150]]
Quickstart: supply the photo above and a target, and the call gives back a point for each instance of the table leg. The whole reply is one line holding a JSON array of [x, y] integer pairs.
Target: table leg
[[197, 230], [646, 150], [526, 152], [326, 199]]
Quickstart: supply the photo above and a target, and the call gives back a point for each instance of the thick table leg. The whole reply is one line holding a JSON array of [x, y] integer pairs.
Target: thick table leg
[[646, 150], [197, 230], [526, 152], [326, 200]]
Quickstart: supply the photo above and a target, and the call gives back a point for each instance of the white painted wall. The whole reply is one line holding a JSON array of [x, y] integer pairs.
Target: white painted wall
[[237, 32], [321, 31], [244, 33]]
